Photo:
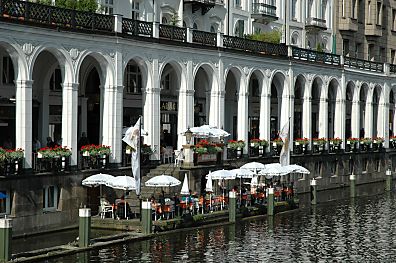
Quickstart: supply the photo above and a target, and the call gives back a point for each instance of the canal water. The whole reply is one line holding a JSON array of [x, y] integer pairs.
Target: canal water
[[346, 230]]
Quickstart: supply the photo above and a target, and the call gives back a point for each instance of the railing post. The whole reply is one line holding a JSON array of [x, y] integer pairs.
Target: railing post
[[5, 239], [270, 202], [146, 217], [313, 192], [189, 35], [219, 39], [387, 68], [290, 51], [342, 60], [27, 10], [232, 206], [156, 26], [118, 23], [84, 227], [388, 185]]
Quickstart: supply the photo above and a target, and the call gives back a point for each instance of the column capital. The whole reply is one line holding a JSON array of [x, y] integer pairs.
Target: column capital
[[309, 98], [70, 86], [24, 83], [287, 96], [340, 101], [152, 91], [243, 94], [323, 100], [383, 104], [189, 92], [219, 93], [265, 95]]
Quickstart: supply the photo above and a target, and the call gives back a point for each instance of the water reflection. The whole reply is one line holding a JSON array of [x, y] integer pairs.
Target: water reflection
[[351, 230]]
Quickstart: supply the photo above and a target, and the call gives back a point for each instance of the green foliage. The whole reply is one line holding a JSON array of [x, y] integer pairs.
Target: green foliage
[[175, 19], [273, 36], [80, 5], [319, 47]]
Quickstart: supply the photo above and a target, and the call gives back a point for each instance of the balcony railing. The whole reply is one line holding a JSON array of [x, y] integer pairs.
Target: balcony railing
[[254, 46], [137, 28], [204, 38], [268, 8], [53, 16], [315, 56], [363, 64], [173, 32]]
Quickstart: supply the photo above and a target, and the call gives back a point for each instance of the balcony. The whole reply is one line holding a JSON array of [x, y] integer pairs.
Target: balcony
[[373, 30], [313, 24], [348, 24], [264, 12], [204, 5]]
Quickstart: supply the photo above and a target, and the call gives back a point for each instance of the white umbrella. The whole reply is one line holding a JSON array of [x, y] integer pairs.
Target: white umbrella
[[275, 170], [185, 190], [254, 181], [299, 169], [97, 179], [209, 188], [243, 173], [253, 166], [163, 181], [206, 131], [125, 183], [222, 175]]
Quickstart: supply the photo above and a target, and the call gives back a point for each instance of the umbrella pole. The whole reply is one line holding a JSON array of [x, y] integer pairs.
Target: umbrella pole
[[240, 191], [125, 208]]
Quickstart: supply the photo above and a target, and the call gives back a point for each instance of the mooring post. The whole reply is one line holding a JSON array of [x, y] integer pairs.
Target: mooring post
[[270, 202], [232, 206], [84, 227], [5, 239], [314, 186], [352, 179], [388, 185], [147, 221]]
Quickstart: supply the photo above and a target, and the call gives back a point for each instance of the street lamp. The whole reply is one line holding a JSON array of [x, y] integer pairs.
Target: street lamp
[[188, 135]]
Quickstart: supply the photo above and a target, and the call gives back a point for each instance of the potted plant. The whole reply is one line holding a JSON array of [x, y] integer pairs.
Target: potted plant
[[12, 160], [54, 158], [258, 146], [96, 155], [352, 144], [206, 151], [277, 145], [236, 146], [319, 144], [377, 143], [300, 145], [335, 144], [365, 144]]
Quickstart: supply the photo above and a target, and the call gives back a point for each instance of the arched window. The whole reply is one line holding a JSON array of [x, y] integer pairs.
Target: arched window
[[240, 28], [212, 29], [195, 26], [164, 20]]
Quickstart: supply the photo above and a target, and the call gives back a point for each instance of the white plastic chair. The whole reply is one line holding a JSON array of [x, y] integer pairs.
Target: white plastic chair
[[179, 157], [167, 155]]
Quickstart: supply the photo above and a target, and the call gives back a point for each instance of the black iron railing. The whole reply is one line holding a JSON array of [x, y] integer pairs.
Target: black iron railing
[[204, 38], [392, 68], [268, 8], [315, 56], [363, 64], [254, 46], [54, 16], [173, 32], [137, 28]]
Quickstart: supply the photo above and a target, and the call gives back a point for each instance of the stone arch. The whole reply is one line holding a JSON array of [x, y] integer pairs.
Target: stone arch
[[255, 91], [233, 82], [333, 107], [299, 97], [350, 92]]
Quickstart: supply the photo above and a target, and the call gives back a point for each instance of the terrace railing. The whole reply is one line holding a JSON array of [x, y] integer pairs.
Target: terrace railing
[[315, 56], [54, 16], [137, 28], [254, 46], [204, 38], [363, 64], [392, 68], [173, 32]]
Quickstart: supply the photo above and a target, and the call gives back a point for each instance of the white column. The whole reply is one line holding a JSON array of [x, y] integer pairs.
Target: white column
[[242, 117], [111, 127], [185, 114], [151, 110], [394, 120], [70, 119], [265, 117], [323, 118], [216, 115], [23, 119], [383, 122], [102, 101], [355, 119], [339, 119], [368, 120], [307, 118]]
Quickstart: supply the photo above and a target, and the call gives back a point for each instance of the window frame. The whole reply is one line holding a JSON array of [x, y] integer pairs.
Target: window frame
[[46, 201]]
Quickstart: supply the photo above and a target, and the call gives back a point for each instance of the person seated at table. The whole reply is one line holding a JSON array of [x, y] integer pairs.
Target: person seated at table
[[120, 212]]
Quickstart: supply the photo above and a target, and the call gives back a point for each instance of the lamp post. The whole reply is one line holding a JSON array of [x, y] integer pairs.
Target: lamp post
[[188, 149], [188, 135]]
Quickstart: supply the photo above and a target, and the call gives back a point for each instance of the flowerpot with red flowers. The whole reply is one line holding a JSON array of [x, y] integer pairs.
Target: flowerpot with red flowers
[[53, 158], [11, 161], [334, 145], [300, 145], [257, 147], [377, 143], [319, 145], [276, 146], [95, 156], [236, 147]]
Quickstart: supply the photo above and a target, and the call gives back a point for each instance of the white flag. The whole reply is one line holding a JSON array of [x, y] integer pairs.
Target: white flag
[[284, 157], [132, 138]]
